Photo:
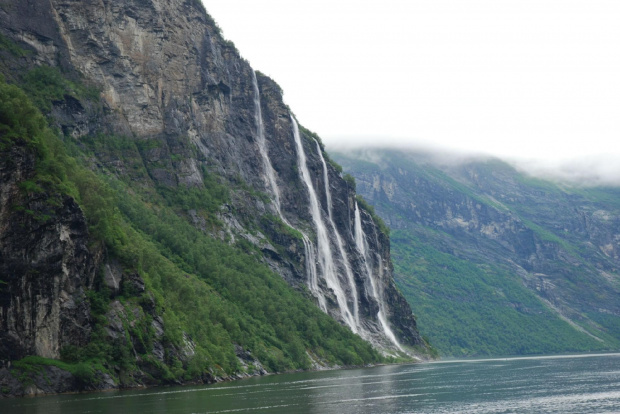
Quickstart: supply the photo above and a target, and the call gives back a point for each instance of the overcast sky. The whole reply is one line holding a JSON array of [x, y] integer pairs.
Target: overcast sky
[[531, 79]]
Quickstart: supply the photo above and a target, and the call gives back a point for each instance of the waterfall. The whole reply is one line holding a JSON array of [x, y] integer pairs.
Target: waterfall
[[324, 250], [262, 146], [339, 244], [313, 282], [326, 258], [362, 246], [313, 278]]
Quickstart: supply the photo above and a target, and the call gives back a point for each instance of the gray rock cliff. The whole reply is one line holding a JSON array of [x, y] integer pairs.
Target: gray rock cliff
[[46, 266]]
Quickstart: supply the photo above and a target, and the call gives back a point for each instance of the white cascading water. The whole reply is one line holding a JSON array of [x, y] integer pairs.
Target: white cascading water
[[339, 244], [313, 278], [262, 145], [324, 249], [362, 246], [313, 281], [326, 258]]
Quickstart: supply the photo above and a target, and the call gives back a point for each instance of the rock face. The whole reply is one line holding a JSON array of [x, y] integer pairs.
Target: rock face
[[169, 81], [561, 242], [46, 266]]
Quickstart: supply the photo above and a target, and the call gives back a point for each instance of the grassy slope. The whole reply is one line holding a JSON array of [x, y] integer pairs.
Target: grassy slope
[[468, 308]]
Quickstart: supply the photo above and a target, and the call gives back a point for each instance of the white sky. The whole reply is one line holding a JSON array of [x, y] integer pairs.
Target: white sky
[[530, 79]]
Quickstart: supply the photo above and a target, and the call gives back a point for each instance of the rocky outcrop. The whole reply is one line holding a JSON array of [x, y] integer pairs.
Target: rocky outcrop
[[45, 262]]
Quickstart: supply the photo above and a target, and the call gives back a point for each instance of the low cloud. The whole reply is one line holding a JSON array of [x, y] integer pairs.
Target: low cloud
[[588, 170]]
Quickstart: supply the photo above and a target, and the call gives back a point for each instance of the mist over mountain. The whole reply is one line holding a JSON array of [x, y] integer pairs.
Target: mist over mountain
[[587, 170]]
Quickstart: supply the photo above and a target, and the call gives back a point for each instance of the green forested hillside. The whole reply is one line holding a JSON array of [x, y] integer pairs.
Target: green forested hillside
[[470, 308], [492, 261]]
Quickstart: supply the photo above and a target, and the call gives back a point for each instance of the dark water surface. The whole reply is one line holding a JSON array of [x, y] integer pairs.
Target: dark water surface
[[556, 384]]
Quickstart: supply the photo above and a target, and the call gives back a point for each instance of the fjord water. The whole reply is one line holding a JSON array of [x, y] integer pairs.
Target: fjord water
[[566, 384]]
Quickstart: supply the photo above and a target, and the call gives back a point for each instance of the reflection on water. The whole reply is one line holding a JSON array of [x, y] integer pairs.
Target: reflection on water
[[566, 384]]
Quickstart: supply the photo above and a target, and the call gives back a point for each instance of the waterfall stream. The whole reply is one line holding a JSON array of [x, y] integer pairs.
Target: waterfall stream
[[313, 281], [362, 246], [339, 244], [324, 250], [262, 146], [323, 253]]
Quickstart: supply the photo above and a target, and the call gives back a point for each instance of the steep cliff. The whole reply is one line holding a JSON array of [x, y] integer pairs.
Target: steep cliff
[[528, 266], [46, 265], [199, 175]]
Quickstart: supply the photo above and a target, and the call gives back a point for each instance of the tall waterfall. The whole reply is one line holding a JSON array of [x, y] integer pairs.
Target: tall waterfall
[[313, 278], [323, 253], [273, 186], [325, 256], [362, 246], [339, 244], [262, 145]]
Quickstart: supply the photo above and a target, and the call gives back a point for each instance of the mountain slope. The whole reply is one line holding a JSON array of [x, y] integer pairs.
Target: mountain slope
[[166, 219], [493, 261]]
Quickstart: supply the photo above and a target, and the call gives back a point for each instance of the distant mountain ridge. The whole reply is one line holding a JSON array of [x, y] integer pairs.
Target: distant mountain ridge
[[494, 261]]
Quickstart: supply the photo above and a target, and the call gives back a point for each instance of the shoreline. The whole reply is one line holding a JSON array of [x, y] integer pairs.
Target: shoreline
[[33, 391]]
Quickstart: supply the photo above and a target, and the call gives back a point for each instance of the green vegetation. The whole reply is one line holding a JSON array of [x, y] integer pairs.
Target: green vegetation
[[312, 135], [546, 235], [463, 189], [475, 245], [260, 74], [318, 139], [470, 309], [207, 291], [8, 45], [207, 198], [257, 308], [57, 173], [601, 196], [19, 119], [45, 84], [281, 227], [363, 204], [350, 180], [30, 366]]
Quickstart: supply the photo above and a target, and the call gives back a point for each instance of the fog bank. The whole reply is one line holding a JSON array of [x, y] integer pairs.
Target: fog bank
[[588, 170]]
